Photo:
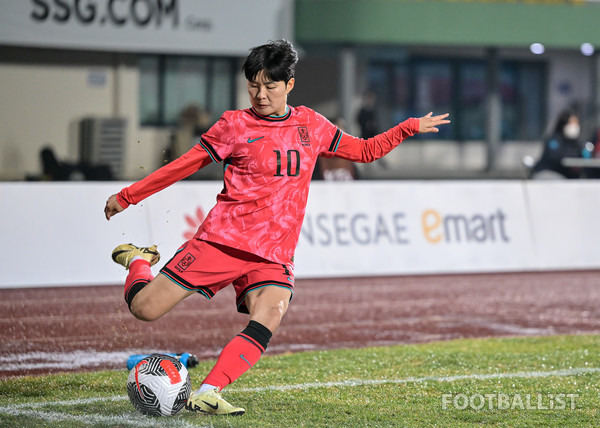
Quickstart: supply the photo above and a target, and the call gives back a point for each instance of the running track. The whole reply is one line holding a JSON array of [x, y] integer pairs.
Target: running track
[[50, 330]]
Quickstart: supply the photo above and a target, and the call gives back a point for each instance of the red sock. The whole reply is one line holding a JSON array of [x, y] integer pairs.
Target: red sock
[[139, 275], [238, 356]]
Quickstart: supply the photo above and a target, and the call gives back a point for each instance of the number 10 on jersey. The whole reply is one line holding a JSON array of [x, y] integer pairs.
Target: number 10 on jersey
[[292, 163]]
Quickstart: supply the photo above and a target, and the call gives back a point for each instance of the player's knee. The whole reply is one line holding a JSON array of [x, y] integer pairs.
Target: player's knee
[[278, 310], [271, 315], [143, 312], [268, 306], [274, 317]]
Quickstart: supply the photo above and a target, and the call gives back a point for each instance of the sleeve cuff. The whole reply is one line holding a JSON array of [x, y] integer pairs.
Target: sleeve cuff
[[121, 200]]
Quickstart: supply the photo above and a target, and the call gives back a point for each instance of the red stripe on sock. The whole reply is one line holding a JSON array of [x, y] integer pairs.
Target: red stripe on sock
[[254, 342]]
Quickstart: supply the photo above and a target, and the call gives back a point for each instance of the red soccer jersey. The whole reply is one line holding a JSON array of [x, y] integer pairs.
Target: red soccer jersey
[[268, 167]]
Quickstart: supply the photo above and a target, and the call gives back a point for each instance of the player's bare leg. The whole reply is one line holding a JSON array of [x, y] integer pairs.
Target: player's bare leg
[[267, 306], [157, 298], [148, 298]]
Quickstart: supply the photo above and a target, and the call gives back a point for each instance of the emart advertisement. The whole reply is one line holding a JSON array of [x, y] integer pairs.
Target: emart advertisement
[[55, 234], [379, 228]]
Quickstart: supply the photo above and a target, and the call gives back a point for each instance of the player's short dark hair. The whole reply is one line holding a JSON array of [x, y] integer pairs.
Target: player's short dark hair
[[278, 60]]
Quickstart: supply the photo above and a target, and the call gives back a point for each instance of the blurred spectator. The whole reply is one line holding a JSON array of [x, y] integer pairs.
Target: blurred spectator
[[54, 169], [563, 142], [193, 121], [596, 142], [335, 169], [594, 145], [367, 117]]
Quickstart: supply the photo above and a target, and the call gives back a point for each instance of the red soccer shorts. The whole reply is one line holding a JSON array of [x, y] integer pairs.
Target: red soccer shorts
[[207, 267]]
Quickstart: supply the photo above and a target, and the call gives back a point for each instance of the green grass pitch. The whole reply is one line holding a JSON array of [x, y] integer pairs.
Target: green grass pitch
[[510, 382]]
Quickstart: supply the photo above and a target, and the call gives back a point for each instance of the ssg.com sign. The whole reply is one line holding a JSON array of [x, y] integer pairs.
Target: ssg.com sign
[[114, 13], [224, 27]]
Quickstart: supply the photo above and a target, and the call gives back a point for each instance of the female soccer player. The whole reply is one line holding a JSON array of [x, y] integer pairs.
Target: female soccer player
[[248, 239]]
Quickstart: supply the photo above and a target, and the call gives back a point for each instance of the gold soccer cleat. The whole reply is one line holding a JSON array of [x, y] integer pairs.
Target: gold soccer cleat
[[124, 253], [210, 402]]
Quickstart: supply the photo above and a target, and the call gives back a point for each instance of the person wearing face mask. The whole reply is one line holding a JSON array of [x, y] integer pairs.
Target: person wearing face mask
[[563, 142]]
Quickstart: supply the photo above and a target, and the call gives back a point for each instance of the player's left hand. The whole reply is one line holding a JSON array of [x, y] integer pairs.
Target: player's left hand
[[112, 207], [429, 123]]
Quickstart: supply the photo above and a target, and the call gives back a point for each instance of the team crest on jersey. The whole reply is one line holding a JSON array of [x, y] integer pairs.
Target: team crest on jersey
[[304, 137]]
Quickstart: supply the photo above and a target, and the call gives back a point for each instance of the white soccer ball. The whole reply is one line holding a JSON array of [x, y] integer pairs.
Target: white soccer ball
[[159, 385]]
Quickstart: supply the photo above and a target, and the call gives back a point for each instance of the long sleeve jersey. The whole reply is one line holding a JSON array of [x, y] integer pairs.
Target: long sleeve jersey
[[268, 164]]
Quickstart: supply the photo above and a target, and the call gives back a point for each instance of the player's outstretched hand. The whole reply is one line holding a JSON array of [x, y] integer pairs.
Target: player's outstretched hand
[[429, 123], [112, 207]]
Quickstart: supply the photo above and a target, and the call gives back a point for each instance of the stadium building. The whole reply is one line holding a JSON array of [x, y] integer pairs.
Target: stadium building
[[116, 82]]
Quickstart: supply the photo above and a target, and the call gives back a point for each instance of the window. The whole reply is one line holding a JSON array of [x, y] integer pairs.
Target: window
[[471, 102], [522, 91], [150, 110], [169, 84], [415, 86], [434, 86]]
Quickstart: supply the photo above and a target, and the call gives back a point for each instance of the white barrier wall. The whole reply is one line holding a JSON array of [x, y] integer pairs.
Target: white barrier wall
[[564, 223], [414, 227], [55, 234]]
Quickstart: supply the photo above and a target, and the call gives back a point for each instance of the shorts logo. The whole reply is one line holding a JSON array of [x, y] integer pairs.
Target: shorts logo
[[303, 132], [288, 273], [185, 262]]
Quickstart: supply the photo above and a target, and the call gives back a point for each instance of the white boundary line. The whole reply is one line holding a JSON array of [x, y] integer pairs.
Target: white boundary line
[[95, 419], [361, 382], [30, 410]]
